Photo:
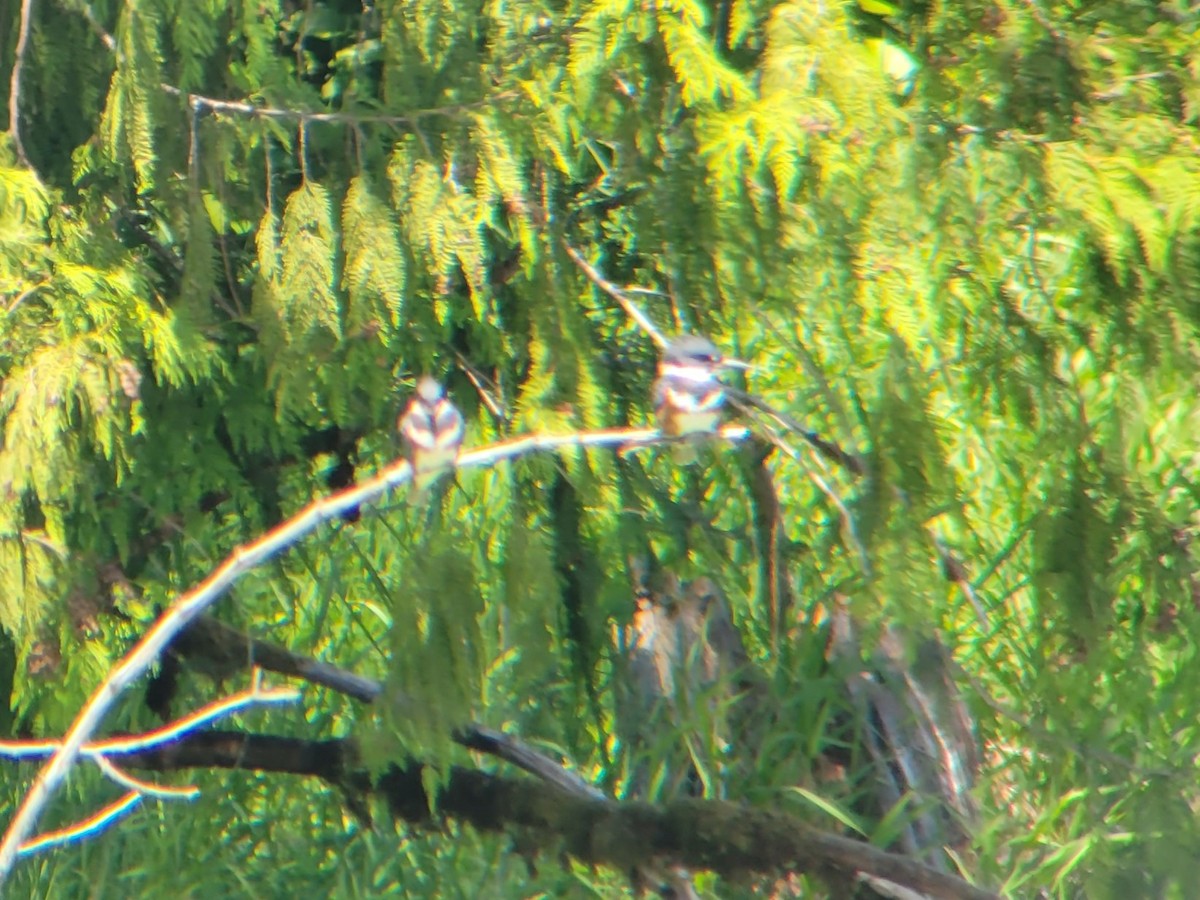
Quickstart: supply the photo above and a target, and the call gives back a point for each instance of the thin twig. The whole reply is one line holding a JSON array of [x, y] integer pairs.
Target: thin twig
[[86, 828], [519, 754], [826, 448], [1005, 553], [631, 308], [239, 108], [812, 370], [304, 117], [94, 21], [145, 788], [255, 696], [100, 751], [954, 571], [495, 406], [123, 746], [25, 294], [746, 402], [244, 559]]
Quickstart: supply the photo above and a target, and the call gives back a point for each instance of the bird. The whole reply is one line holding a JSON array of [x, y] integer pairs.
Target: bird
[[432, 429], [688, 398]]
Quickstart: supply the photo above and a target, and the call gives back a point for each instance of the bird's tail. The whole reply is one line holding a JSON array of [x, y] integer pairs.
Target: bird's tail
[[418, 491], [686, 450]]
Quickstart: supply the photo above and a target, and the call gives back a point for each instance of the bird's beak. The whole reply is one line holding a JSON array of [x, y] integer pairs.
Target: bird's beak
[[735, 364]]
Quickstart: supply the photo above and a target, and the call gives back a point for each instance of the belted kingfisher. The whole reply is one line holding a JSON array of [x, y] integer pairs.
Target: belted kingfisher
[[432, 430], [687, 395]]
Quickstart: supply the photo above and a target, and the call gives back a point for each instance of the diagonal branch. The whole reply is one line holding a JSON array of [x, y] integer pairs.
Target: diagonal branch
[[221, 650], [622, 297], [511, 750], [229, 650], [826, 448], [145, 788], [85, 9], [191, 604], [85, 828], [745, 402]]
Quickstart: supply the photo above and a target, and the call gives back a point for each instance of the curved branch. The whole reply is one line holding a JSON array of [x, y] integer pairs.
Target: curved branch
[[229, 650], [245, 558]]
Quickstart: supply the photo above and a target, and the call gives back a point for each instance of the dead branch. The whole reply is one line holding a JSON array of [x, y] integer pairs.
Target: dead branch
[[731, 839]]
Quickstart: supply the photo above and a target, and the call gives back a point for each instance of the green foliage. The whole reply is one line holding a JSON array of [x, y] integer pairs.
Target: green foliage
[[375, 267], [435, 617], [130, 119], [959, 240]]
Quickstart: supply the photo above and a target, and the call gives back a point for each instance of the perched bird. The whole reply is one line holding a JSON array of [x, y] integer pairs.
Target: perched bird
[[432, 430], [688, 398]]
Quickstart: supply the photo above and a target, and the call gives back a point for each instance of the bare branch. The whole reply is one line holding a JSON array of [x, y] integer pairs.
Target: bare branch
[[731, 839], [88, 827], [26, 294], [99, 752], [745, 402], [123, 746], [495, 404], [199, 102], [14, 83], [145, 788], [93, 20], [255, 696], [826, 448], [217, 647], [232, 649], [622, 297], [511, 750], [245, 558]]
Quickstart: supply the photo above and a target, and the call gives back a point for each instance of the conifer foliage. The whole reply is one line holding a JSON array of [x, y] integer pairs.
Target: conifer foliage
[[960, 242]]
